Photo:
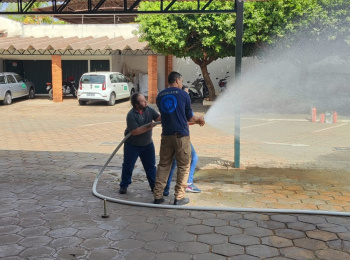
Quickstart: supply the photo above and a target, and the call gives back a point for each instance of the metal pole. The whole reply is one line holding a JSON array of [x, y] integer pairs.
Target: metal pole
[[238, 65]]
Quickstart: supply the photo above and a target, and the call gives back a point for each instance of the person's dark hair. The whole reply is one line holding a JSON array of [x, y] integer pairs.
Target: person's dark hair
[[134, 99], [173, 76]]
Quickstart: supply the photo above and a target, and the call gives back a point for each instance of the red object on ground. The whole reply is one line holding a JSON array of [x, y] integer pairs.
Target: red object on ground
[[335, 117], [322, 118], [313, 114]]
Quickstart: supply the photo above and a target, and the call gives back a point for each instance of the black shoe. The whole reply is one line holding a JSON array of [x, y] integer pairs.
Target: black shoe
[[158, 201], [182, 201], [123, 190]]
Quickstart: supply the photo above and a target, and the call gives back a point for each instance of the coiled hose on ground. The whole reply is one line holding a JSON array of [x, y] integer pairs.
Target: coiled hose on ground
[[151, 205]]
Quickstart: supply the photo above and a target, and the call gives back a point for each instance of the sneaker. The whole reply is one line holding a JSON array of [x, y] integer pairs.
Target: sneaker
[[123, 190], [192, 188], [159, 201], [182, 201]]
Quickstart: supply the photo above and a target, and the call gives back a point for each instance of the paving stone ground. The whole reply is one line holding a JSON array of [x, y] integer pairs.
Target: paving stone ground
[[50, 155]]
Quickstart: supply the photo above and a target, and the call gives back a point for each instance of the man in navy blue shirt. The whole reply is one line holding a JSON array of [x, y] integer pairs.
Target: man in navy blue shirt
[[140, 143], [174, 105]]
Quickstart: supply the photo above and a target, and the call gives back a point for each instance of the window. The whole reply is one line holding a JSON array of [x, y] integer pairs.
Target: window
[[2, 79], [114, 78], [121, 78], [93, 79], [18, 77], [10, 79]]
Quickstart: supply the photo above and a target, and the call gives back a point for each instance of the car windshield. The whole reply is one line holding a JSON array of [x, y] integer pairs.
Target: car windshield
[[18, 77], [93, 79]]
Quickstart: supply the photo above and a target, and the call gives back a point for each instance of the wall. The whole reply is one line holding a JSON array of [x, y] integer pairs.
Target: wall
[[6, 24], [80, 30], [217, 69]]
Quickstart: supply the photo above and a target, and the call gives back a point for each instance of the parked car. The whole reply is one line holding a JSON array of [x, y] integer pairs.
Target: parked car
[[13, 86], [104, 86]]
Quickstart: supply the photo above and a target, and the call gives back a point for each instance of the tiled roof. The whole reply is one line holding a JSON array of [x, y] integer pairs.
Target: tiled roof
[[60, 45]]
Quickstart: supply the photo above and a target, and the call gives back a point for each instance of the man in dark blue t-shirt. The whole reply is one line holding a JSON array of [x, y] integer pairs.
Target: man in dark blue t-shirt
[[174, 105]]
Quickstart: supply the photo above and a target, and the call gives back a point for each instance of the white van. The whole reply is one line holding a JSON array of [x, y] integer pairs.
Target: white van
[[104, 86]]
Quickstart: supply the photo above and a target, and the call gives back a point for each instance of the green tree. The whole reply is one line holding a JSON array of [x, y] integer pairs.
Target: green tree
[[31, 19], [206, 37]]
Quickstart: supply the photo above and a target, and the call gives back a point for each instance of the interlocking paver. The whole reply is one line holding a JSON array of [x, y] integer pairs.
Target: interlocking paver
[[271, 224], [10, 250], [173, 256], [140, 254], [311, 244], [332, 228], [36, 252], [321, 235], [297, 253], [150, 235], [228, 230], [128, 244], [160, 246], [276, 241], [262, 251], [65, 242], [208, 256], [345, 236], [330, 254], [244, 240], [181, 237], [193, 247], [301, 226], [258, 232], [289, 233], [214, 222], [35, 241], [212, 239], [199, 229], [228, 249]]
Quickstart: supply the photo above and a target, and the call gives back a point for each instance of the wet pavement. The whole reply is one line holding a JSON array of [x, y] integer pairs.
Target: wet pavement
[[51, 153]]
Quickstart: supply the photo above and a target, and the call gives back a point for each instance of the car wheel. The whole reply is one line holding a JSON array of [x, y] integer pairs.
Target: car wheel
[[82, 103], [8, 99], [50, 94], [31, 94], [111, 101]]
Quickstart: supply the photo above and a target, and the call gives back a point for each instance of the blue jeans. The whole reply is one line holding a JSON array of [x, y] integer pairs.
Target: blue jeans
[[194, 160], [148, 159]]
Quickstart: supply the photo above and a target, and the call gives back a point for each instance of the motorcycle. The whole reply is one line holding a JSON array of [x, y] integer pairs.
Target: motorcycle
[[198, 89], [68, 87], [223, 82]]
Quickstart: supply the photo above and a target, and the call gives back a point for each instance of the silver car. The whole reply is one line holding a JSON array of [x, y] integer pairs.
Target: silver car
[[104, 86], [13, 86]]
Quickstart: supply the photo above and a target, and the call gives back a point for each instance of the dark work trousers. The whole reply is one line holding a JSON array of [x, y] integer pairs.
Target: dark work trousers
[[148, 159], [171, 146]]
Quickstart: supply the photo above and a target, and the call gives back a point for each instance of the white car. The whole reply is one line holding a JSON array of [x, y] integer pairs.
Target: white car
[[104, 86], [13, 86]]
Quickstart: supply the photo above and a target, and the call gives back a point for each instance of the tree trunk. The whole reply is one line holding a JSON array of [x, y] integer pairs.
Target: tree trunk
[[203, 64], [208, 81]]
